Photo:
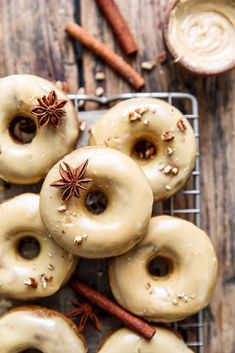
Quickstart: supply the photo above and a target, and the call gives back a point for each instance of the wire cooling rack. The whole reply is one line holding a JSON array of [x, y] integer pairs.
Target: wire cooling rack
[[185, 204]]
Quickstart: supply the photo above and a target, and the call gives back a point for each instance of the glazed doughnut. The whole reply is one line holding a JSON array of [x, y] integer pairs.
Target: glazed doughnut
[[124, 220], [125, 340], [188, 280], [33, 327], [28, 162], [22, 277], [156, 135]]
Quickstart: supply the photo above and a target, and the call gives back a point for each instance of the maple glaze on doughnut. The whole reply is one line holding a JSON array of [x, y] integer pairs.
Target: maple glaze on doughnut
[[188, 282], [24, 277], [28, 162], [126, 341], [124, 220], [39, 328], [156, 135]]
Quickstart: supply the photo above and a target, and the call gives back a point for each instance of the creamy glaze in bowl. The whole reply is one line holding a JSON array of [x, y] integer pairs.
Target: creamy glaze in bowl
[[200, 34]]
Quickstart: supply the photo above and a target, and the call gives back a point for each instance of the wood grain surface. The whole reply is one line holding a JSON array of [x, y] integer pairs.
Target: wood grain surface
[[33, 41]]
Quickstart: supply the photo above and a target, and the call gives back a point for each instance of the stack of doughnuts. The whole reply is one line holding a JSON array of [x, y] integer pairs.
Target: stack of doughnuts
[[96, 202]]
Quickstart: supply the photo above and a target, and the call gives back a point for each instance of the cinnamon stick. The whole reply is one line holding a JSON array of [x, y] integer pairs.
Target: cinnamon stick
[[118, 25], [109, 56], [131, 321]]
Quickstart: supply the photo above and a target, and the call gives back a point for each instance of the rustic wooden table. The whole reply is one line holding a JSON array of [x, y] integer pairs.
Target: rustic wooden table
[[32, 40]]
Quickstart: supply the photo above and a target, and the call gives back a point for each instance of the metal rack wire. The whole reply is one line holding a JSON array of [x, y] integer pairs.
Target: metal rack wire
[[185, 204]]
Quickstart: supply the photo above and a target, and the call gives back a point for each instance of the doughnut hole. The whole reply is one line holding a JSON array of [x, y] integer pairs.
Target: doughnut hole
[[22, 129], [143, 150], [28, 247], [96, 202], [160, 266]]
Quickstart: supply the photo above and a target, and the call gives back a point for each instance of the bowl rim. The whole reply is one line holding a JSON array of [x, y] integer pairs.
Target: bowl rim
[[186, 64]]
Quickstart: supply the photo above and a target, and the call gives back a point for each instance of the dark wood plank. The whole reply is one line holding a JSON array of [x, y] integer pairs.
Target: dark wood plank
[[217, 126], [32, 39]]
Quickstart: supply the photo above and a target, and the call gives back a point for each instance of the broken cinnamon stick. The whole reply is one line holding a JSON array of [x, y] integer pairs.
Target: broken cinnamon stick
[[109, 56], [131, 321], [118, 25]]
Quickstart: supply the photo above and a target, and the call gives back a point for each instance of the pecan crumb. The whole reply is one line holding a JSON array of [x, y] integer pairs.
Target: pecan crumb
[[175, 170], [148, 65], [168, 135], [62, 208], [51, 267], [31, 282], [78, 240], [44, 280], [137, 114], [81, 102], [99, 76], [167, 169], [99, 91], [82, 125], [146, 122], [133, 116], [175, 301], [182, 125], [170, 151]]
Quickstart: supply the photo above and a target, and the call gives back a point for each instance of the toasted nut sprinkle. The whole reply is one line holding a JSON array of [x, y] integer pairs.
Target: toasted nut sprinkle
[[81, 103], [62, 208], [182, 124], [99, 76], [148, 65], [175, 171], [146, 121], [168, 135], [137, 114], [31, 282], [167, 169], [133, 116], [170, 151], [44, 280], [99, 91], [78, 239], [51, 267], [82, 125]]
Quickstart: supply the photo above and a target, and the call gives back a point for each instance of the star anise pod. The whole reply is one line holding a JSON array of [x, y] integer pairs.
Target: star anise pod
[[71, 180], [87, 312], [49, 110]]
